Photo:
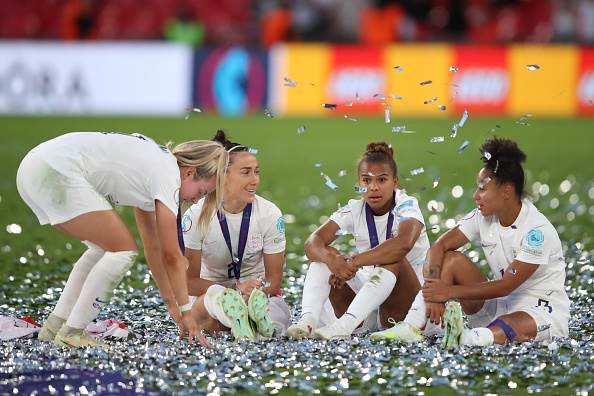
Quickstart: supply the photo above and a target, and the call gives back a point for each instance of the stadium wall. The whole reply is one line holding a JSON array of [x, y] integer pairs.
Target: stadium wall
[[140, 78]]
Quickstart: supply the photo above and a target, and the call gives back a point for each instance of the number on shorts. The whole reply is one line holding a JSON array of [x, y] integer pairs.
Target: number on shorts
[[544, 303]]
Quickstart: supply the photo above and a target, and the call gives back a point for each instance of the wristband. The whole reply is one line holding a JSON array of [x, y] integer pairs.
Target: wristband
[[185, 307]]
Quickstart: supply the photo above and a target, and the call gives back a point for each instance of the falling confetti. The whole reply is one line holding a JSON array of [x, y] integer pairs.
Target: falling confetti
[[349, 104], [301, 129], [401, 129], [454, 131], [396, 97], [290, 83], [189, 112], [318, 165], [441, 107], [463, 146], [360, 190], [350, 118], [463, 119], [399, 69], [437, 139], [426, 82], [379, 97], [532, 67], [342, 173], [252, 150], [329, 182], [454, 69], [430, 100], [417, 171], [387, 115], [331, 106], [436, 181], [268, 113]]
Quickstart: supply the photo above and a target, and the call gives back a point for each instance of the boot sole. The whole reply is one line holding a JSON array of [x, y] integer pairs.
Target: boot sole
[[453, 325], [258, 312], [237, 311]]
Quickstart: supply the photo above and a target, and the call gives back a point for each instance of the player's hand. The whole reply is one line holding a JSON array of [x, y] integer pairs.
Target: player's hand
[[434, 312], [435, 290], [176, 316], [342, 269], [193, 330], [246, 287], [335, 282]]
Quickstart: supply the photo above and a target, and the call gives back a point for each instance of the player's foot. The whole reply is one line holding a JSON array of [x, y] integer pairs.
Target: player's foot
[[50, 328], [454, 325], [401, 331], [258, 312], [332, 331], [75, 338], [302, 329], [237, 311]]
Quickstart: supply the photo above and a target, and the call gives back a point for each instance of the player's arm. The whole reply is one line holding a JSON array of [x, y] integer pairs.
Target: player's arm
[[317, 248], [147, 227], [273, 268], [394, 249], [450, 241], [196, 285], [175, 263], [514, 276]]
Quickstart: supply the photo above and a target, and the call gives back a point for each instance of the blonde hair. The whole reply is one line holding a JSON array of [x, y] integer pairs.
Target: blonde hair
[[210, 159]]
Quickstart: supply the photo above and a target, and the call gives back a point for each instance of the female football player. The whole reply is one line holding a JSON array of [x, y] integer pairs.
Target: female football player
[[382, 279], [237, 260], [526, 298], [71, 181]]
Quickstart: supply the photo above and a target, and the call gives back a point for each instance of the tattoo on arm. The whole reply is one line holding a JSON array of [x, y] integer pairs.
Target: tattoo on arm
[[434, 272]]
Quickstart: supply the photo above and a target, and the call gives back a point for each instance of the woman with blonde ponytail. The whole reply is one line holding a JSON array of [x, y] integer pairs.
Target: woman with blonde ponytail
[[71, 183]]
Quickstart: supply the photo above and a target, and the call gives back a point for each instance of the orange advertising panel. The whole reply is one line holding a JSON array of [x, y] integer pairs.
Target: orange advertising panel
[[585, 83], [543, 80], [420, 75], [481, 82]]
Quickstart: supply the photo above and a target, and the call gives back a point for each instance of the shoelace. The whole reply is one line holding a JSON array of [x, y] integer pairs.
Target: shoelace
[[392, 321]]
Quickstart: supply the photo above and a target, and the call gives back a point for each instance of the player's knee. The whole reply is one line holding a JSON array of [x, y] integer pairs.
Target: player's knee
[[452, 258]]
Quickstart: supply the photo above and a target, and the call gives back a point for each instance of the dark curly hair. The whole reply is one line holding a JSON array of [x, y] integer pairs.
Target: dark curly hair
[[504, 159], [379, 152]]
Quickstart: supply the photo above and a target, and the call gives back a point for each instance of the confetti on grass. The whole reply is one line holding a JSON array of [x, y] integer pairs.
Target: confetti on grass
[[436, 181], [301, 129], [437, 139]]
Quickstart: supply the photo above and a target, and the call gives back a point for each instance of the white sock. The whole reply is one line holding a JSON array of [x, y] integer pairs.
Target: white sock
[[76, 279], [373, 293], [316, 291], [212, 299], [99, 286], [417, 314], [479, 336]]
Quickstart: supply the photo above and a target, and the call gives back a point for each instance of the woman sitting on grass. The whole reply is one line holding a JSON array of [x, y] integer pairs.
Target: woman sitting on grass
[[392, 243], [237, 256], [526, 300]]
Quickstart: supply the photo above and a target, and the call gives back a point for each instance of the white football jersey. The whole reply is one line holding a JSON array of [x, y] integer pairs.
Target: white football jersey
[[351, 219], [266, 236], [530, 239], [129, 170]]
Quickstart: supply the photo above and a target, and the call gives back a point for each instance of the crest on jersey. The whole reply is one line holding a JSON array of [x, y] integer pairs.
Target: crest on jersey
[[280, 225], [535, 237], [186, 223]]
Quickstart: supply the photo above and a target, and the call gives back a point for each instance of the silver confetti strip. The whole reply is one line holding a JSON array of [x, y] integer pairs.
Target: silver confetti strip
[[289, 82], [429, 101], [454, 69], [331, 106], [426, 82], [399, 69], [533, 67], [463, 146], [437, 139]]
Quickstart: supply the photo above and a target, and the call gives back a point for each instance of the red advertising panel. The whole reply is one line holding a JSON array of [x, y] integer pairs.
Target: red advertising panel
[[481, 84], [585, 83], [357, 80]]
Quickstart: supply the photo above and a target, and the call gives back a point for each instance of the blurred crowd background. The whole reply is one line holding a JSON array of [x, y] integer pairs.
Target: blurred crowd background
[[266, 22]]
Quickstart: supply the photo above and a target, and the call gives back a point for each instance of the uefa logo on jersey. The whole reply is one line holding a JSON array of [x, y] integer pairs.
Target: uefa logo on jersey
[[186, 223], [280, 225], [535, 237]]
